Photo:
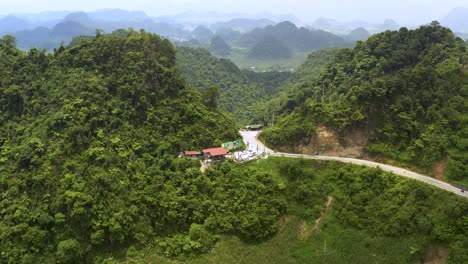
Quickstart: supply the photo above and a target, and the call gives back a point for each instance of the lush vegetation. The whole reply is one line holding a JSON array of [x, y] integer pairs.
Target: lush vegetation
[[88, 140], [367, 215], [284, 101], [240, 92], [406, 89], [89, 136]]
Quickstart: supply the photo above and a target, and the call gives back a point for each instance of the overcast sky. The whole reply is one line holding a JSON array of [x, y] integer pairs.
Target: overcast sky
[[403, 11]]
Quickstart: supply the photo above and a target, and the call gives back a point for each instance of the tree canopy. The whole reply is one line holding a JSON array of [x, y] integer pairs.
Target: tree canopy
[[241, 92], [88, 141]]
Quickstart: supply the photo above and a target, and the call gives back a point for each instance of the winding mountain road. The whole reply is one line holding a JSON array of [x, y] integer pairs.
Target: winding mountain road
[[251, 137]]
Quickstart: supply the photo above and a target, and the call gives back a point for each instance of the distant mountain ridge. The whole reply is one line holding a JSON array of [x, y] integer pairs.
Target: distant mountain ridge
[[338, 27], [359, 33], [11, 24], [294, 38], [32, 30], [243, 24], [118, 14], [50, 34], [211, 17], [457, 19]]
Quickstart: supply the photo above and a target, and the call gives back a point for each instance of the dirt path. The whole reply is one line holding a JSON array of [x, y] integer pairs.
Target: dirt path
[[304, 229], [319, 220]]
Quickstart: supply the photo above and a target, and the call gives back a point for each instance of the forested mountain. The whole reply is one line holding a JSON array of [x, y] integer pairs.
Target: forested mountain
[[294, 38], [310, 70], [229, 34], [11, 24], [79, 17], [241, 92], [88, 140], [390, 24], [118, 15], [219, 46], [68, 29], [359, 33], [74, 24], [242, 24], [305, 75], [202, 34], [269, 48], [403, 93], [39, 37], [338, 27]]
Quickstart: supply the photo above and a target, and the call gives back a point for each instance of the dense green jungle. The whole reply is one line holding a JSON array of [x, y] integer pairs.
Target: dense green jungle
[[90, 136]]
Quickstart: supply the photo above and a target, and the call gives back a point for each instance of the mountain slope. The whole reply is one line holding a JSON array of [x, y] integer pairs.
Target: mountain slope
[[241, 92], [343, 213], [202, 34], [219, 46], [88, 139], [228, 34], [359, 33], [401, 94], [284, 101], [10, 24], [242, 24], [269, 48]]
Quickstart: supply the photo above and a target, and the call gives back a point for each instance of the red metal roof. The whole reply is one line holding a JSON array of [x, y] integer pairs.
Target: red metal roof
[[216, 151], [191, 152]]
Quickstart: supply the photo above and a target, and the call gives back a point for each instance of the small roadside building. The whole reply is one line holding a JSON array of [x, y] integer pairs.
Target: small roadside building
[[253, 127], [233, 144], [192, 154], [215, 154]]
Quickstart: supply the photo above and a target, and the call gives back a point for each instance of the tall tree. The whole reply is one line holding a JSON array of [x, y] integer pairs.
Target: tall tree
[[210, 97]]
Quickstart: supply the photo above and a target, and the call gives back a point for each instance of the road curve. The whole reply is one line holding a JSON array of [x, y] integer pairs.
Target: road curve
[[251, 136]]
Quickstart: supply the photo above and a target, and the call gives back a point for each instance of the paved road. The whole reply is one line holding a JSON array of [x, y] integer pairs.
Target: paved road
[[251, 137]]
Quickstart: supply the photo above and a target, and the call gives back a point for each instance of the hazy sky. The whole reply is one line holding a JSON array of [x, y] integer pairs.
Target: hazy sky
[[403, 11]]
